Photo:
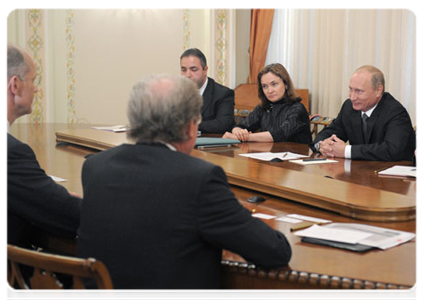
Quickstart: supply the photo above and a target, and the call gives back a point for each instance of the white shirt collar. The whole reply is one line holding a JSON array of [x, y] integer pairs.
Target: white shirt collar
[[7, 125], [370, 111], [203, 88], [170, 146]]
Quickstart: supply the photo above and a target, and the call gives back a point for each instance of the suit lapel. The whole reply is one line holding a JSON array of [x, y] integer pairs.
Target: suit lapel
[[373, 119], [207, 95]]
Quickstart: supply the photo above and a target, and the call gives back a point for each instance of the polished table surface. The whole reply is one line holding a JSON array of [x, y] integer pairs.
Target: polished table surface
[[311, 266], [350, 188]]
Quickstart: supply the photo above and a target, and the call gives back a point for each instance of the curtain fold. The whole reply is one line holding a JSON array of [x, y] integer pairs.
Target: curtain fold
[[261, 27]]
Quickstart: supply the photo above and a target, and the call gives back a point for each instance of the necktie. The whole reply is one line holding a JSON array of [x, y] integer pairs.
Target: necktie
[[365, 118]]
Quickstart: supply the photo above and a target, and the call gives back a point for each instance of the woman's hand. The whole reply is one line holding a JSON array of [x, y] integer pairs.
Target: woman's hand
[[241, 134]]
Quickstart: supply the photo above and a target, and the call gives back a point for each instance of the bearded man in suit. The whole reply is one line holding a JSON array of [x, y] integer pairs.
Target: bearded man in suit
[[217, 112], [376, 125]]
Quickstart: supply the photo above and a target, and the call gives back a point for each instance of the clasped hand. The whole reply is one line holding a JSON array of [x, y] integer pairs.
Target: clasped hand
[[332, 147], [238, 134]]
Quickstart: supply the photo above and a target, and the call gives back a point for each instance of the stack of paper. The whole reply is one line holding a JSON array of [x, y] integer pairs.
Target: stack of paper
[[352, 233]]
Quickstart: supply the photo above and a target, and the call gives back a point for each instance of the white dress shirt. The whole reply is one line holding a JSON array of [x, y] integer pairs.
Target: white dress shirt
[[347, 152], [203, 88]]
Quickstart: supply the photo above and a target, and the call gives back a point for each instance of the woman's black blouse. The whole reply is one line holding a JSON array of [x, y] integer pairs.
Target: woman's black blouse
[[286, 120]]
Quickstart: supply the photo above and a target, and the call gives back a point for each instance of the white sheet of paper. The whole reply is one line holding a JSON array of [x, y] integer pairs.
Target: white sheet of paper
[[288, 220], [58, 179], [267, 156], [115, 128], [263, 216], [400, 171], [314, 162], [332, 234], [306, 218], [382, 238]]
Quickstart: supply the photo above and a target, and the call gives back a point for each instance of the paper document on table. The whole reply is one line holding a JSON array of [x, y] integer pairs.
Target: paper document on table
[[310, 219], [406, 171], [267, 156], [333, 234], [351, 233], [58, 179], [115, 128], [263, 216], [382, 238], [313, 161]]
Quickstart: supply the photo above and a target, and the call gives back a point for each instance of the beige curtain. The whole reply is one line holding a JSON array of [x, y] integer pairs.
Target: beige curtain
[[322, 48], [261, 25]]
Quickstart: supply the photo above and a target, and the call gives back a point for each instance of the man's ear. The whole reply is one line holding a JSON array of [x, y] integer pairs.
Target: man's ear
[[379, 91], [192, 129], [15, 85]]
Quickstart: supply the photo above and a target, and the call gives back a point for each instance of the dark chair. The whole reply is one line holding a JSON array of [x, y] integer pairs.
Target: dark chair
[[47, 266]]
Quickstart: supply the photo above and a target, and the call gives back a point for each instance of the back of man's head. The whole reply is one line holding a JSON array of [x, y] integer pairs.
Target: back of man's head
[[17, 64], [197, 53], [161, 107]]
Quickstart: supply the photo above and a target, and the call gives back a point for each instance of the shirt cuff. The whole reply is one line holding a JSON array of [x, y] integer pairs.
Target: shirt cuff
[[347, 152]]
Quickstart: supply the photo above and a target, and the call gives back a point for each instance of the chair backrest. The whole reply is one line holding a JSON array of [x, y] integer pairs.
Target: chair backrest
[[246, 96], [317, 120], [46, 266]]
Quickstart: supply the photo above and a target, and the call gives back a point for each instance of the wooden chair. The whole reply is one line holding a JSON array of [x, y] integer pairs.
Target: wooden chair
[[317, 120], [47, 265]]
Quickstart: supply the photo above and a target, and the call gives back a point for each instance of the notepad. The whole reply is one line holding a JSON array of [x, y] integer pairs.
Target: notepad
[[405, 171], [267, 156]]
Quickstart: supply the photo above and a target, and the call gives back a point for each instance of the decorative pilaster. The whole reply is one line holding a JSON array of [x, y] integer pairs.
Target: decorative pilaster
[[35, 44], [221, 46], [70, 66], [186, 29]]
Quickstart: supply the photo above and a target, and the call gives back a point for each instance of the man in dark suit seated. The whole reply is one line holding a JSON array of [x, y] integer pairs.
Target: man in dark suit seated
[[158, 217], [33, 198], [217, 112], [376, 125]]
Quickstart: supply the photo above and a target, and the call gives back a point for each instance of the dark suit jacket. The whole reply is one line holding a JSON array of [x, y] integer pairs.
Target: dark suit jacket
[[34, 199], [217, 111], [391, 136], [159, 219]]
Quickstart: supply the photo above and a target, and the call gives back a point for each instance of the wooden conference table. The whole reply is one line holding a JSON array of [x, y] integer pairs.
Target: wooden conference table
[[347, 191]]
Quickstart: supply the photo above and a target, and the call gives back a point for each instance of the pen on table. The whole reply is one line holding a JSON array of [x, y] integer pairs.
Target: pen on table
[[314, 159], [377, 171], [304, 226], [285, 155]]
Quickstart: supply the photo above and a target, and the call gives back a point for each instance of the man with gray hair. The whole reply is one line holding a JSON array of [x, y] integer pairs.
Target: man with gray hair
[[34, 200], [158, 217], [376, 125]]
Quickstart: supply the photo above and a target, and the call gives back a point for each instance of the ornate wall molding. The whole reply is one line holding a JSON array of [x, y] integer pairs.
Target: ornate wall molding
[[186, 18], [35, 34], [221, 46], [70, 67]]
